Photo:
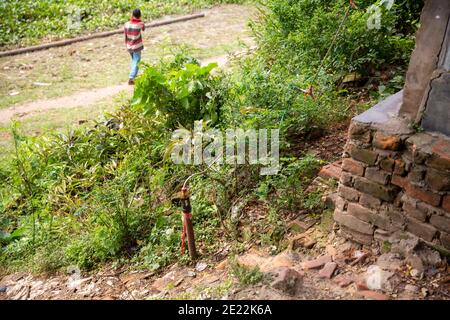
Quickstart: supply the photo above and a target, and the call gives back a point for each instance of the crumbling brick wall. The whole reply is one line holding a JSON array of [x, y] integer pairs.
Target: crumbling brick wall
[[394, 181]]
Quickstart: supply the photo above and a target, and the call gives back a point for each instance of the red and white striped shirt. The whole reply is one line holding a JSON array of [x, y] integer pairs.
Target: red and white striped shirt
[[133, 36]]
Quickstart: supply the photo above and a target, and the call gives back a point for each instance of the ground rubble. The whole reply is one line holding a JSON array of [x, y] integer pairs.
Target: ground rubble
[[316, 264], [332, 268]]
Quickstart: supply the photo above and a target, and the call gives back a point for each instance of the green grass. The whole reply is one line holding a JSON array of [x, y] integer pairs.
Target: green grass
[[26, 22]]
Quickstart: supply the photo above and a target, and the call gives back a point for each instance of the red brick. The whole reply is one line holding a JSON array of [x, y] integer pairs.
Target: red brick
[[422, 230], [421, 194], [411, 209], [348, 193], [399, 167], [387, 164], [352, 222], [332, 170], [353, 166], [355, 236], [446, 203], [438, 180], [369, 202], [441, 155], [346, 179], [377, 175], [360, 132], [416, 192], [386, 142], [445, 240], [367, 156], [316, 263], [441, 222], [399, 181], [328, 270], [344, 281], [360, 212], [361, 284], [386, 193]]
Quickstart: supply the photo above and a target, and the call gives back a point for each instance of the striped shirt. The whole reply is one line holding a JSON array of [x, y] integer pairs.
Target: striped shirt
[[133, 36]]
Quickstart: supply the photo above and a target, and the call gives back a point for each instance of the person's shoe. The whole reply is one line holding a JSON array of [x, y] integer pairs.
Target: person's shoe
[[131, 82]]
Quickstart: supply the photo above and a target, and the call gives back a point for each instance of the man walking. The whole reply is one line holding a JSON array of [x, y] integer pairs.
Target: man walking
[[133, 41]]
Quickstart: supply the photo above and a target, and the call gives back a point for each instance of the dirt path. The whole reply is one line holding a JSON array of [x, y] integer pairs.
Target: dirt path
[[84, 98], [102, 63]]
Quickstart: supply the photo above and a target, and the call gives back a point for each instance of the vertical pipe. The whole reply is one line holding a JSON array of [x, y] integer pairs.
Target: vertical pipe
[[187, 220]]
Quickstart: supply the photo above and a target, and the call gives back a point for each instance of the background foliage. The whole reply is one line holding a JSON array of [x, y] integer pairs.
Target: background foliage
[[104, 192], [28, 21]]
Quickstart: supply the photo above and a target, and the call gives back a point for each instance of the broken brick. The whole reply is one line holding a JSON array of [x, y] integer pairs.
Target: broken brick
[[446, 203], [422, 230], [377, 175], [359, 132], [364, 155], [316, 263], [387, 164], [353, 166], [386, 142], [346, 179], [373, 295], [438, 180], [399, 167], [441, 222], [352, 222], [344, 281], [331, 171], [328, 270], [348, 193], [287, 280], [416, 192], [369, 202]]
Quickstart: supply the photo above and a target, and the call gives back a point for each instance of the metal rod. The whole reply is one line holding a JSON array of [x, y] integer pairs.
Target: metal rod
[[187, 221]]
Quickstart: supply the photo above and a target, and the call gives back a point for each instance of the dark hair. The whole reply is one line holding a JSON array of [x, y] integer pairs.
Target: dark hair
[[137, 13]]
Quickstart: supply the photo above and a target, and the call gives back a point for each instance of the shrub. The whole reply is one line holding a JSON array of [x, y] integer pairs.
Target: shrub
[[179, 93]]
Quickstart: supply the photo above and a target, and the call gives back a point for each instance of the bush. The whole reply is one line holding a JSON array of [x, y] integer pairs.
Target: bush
[[180, 93], [105, 193], [295, 35], [294, 38]]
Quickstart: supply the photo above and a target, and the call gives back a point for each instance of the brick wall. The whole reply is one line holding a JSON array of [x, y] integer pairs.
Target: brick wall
[[393, 182]]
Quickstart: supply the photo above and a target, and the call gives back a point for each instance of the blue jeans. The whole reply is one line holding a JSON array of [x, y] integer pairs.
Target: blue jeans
[[135, 58]]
